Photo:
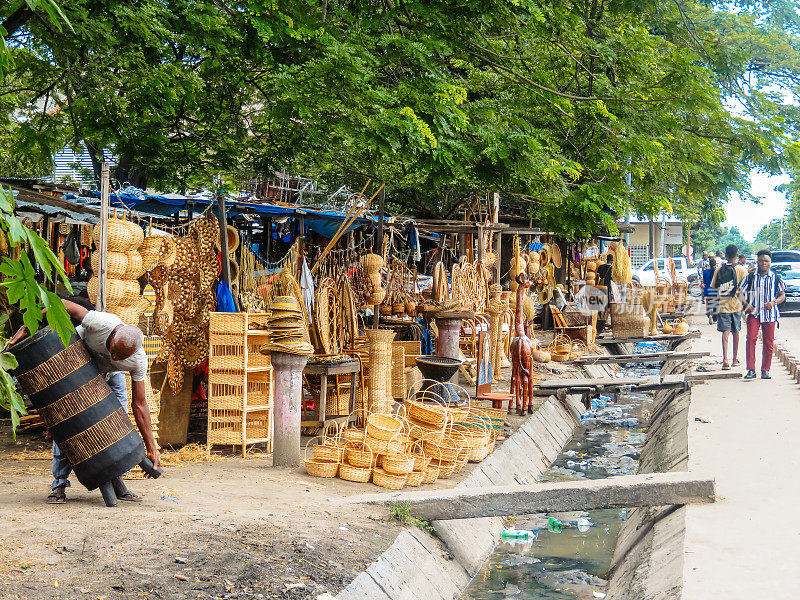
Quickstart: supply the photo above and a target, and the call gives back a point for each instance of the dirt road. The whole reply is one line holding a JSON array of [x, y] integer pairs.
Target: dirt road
[[230, 529]]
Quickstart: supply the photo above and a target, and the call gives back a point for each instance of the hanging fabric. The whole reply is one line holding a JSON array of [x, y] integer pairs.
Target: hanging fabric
[[307, 286]]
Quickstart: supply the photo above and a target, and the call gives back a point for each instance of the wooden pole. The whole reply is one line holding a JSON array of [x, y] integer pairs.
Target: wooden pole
[[497, 241], [376, 316], [223, 236], [103, 248]]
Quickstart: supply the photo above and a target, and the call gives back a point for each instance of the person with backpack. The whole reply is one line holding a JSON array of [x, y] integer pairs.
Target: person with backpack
[[726, 280], [761, 292]]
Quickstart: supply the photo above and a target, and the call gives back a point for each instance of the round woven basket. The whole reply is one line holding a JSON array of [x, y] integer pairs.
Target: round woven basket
[[383, 479], [414, 479], [446, 469], [135, 265], [372, 263], [116, 264], [417, 452], [320, 466], [447, 450], [349, 472], [233, 239], [432, 414], [360, 454], [382, 426], [398, 463], [115, 290], [129, 315], [119, 235]]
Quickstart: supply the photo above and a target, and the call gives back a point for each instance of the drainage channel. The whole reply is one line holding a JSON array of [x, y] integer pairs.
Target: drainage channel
[[571, 560]]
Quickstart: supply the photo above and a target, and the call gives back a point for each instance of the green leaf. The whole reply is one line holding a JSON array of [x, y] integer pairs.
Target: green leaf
[[8, 361], [58, 318]]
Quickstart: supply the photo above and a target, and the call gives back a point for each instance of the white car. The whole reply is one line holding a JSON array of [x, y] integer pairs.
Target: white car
[[647, 277]]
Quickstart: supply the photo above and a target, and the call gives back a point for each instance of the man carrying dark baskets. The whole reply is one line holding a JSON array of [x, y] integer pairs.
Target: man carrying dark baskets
[[115, 348]]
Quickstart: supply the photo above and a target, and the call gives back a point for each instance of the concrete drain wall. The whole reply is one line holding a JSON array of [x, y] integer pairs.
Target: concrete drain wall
[[648, 560], [418, 566]]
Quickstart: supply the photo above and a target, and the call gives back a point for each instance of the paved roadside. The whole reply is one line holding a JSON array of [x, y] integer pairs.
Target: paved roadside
[[747, 544]]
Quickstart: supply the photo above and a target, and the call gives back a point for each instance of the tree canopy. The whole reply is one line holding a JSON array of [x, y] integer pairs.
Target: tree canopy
[[552, 103]]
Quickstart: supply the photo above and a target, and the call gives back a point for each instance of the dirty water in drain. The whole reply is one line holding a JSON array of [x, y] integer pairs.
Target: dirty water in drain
[[570, 561]]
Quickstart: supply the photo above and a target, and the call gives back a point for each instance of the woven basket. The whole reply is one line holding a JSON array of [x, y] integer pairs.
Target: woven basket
[[116, 289], [359, 454], [417, 452], [445, 468], [350, 473], [382, 426], [372, 263], [135, 265], [233, 239], [119, 235], [398, 463], [447, 449], [116, 264], [430, 414], [329, 450], [414, 479], [384, 479], [398, 372], [319, 466], [628, 320], [380, 343], [431, 474]]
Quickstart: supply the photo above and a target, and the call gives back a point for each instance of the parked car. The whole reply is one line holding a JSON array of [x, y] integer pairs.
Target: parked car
[[785, 260], [792, 280], [646, 276]]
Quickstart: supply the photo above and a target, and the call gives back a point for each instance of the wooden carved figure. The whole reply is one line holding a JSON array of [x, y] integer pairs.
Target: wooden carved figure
[[521, 355]]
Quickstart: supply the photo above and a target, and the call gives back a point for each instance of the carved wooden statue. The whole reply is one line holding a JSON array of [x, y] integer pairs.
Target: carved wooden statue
[[521, 355]]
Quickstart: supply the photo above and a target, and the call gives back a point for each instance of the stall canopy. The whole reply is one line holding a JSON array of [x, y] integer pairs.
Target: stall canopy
[[323, 222]]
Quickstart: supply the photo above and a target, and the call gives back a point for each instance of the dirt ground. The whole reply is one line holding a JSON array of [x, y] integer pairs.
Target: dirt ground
[[234, 528]]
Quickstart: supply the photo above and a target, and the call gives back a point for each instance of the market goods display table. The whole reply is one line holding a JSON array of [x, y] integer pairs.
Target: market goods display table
[[324, 370]]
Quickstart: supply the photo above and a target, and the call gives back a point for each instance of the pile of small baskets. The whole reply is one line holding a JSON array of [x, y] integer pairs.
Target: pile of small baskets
[[422, 443]]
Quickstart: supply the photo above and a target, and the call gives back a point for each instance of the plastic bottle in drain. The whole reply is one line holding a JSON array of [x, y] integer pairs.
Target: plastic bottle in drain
[[511, 532], [554, 524]]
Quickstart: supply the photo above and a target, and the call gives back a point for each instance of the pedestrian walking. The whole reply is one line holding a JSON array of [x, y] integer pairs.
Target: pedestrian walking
[[707, 267], [726, 280], [761, 293]]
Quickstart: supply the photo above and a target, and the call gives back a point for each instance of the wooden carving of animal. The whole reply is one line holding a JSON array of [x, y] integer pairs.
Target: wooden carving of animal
[[521, 355]]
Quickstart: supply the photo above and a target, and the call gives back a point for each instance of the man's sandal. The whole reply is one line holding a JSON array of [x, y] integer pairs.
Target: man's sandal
[[57, 498]]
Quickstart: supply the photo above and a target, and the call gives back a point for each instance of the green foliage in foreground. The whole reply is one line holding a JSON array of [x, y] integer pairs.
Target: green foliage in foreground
[[22, 291], [402, 512]]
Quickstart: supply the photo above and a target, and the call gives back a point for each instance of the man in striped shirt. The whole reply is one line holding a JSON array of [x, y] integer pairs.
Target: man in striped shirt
[[763, 290]]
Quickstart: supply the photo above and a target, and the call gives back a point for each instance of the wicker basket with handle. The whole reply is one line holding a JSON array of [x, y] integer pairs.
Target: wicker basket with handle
[[384, 479], [414, 479], [431, 474], [349, 472], [382, 426], [319, 466]]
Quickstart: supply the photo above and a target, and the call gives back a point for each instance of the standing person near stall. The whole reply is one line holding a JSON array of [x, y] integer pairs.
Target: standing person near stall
[[726, 280], [115, 348], [762, 292]]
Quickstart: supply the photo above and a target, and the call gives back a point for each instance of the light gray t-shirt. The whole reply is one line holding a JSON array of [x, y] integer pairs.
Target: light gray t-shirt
[[94, 331]]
